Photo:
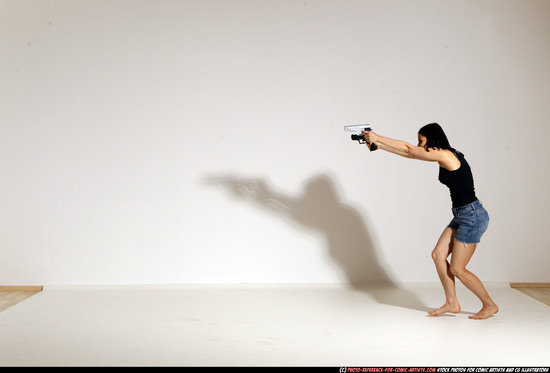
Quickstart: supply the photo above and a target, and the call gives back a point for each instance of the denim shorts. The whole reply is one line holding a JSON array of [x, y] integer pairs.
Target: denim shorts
[[470, 222]]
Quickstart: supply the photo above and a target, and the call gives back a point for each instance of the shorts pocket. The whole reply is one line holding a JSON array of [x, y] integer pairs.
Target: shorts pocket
[[482, 222], [467, 221]]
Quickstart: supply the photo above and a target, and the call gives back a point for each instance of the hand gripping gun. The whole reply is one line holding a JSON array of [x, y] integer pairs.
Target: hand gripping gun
[[358, 129]]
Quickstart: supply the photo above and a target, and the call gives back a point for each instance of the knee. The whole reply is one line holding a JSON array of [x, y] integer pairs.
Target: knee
[[437, 257], [457, 271]]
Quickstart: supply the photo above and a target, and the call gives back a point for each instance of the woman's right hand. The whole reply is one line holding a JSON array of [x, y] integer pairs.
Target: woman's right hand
[[370, 137]]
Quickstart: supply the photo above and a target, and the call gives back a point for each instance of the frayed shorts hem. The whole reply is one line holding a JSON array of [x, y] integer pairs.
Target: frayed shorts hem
[[467, 243]]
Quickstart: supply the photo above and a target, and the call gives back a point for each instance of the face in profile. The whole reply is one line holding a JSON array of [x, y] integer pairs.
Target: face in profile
[[422, 140]]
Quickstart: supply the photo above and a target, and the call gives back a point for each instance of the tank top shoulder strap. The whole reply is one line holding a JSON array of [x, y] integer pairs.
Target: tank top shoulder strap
[[456, 153]]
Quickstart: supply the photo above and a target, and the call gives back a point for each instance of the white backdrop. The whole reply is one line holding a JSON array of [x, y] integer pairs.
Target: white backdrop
[[152, 142]]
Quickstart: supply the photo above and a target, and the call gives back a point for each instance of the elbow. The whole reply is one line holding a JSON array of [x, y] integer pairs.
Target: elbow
[[409, 153], [414, 152]]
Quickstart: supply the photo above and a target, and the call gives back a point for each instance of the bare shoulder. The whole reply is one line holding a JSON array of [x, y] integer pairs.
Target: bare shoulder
[[448, 160]]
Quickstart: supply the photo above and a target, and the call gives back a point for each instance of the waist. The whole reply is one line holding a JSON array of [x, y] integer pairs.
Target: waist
[[470, 207]]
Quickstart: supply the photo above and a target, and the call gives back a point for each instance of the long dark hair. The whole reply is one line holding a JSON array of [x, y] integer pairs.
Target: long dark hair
[[435, 136]]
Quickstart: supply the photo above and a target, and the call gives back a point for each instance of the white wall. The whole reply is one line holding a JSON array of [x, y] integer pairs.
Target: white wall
[[148, 142]]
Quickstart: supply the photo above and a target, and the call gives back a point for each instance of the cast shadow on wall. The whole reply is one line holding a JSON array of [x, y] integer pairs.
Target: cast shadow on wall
[[319, 208]]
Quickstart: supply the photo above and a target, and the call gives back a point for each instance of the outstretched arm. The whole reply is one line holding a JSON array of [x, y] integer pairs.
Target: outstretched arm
[[404, 149]]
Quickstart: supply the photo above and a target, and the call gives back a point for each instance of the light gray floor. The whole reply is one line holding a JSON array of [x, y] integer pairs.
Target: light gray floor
[[270, 325]]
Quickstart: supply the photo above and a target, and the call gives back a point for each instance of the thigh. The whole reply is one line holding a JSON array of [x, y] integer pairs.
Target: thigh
[[462, 253], [444, 246]]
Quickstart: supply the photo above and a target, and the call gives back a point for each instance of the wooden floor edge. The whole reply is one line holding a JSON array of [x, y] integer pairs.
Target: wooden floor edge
[[21, 288], [529, 284]]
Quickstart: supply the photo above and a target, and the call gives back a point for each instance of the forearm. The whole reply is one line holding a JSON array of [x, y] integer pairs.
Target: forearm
[[398, 147]]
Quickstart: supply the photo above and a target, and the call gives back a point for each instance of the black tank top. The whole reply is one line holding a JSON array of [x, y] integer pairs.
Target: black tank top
[[460, 182]]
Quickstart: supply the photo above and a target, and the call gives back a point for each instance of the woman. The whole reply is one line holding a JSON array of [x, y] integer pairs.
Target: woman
[[470, 221]]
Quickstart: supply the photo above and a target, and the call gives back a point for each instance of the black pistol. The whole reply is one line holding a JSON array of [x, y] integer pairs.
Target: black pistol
[[359, 128]]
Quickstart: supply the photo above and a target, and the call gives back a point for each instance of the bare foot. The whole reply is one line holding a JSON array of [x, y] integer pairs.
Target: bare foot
[[452, 308], [485, 312]]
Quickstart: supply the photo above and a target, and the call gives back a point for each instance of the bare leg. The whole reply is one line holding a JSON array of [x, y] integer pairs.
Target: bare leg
[[442, 250], [462, 253]]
